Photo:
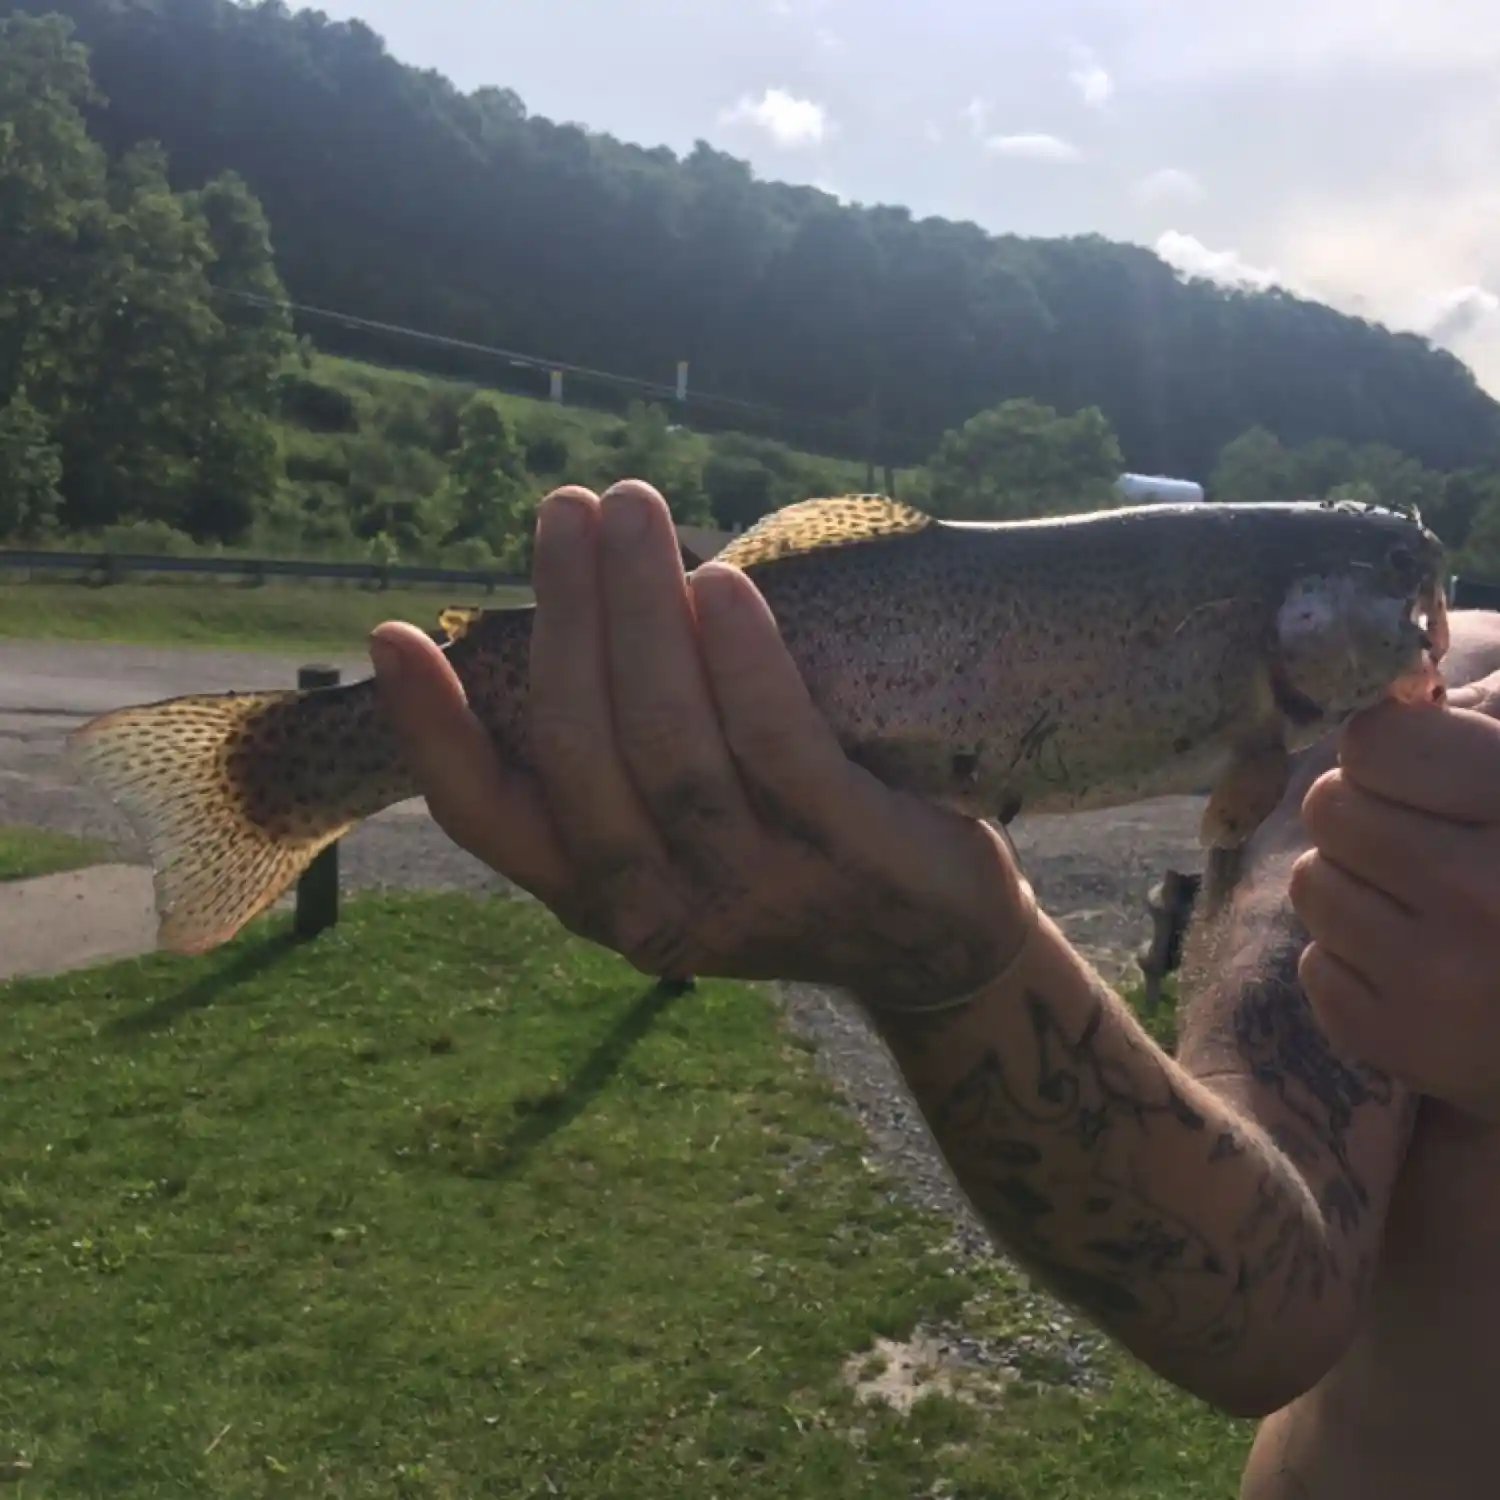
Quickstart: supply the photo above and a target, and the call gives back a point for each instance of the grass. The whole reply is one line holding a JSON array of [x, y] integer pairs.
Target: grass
[[26, 852], [447, 1204], [270, 617]]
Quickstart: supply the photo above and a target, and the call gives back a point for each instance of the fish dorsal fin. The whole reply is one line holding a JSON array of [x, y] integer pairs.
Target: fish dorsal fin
[[811, 525], [456, 620]]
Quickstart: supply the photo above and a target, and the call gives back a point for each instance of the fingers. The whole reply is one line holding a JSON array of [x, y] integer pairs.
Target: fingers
[[589, 792], [1409, 855], [667, 728], [496, 814], [1347, 1008], [1481, 697], [1362, 927], [807, 790], [782, 744], [1445, 762]]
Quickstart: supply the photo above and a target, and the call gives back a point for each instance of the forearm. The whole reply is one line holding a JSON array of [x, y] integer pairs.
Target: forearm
[[1138, 1193]]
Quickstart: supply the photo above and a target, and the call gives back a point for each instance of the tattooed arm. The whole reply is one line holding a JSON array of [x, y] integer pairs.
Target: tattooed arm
[[1218, 1215]]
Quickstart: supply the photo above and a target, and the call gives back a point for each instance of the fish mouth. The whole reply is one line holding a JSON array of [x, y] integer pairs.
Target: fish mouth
[[1429, 613]]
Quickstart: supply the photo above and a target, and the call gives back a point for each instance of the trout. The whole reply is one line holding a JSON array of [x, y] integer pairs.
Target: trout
[[1047, 665]]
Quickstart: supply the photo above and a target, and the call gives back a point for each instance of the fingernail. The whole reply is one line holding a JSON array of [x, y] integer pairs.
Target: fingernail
[[386, 660], [623, 516], [565, 516], [714, 590]]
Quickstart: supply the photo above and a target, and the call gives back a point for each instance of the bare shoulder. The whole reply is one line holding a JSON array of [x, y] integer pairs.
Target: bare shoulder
[[1475, 649]]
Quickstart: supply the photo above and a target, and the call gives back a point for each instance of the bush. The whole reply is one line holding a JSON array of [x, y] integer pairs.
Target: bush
[[315, 405]]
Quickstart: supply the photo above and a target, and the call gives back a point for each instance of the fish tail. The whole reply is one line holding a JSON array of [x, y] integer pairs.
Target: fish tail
[[235, 794]]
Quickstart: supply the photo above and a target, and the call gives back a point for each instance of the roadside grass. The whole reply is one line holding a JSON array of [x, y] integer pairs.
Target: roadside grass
[[27, 852], [448, 1204], [271, 616]]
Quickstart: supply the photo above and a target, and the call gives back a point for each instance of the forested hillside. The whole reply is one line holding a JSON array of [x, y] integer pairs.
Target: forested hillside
[[153, 395], [393, 196]]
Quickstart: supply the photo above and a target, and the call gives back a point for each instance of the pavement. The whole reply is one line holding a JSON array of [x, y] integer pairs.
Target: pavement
[[75, 920], [84, 917]]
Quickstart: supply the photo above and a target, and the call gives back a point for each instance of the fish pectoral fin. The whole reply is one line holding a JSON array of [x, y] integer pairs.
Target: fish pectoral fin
[[1246, 794], [811, 525]]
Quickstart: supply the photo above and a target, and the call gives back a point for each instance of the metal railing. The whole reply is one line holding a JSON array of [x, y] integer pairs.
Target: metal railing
[[114, 567]]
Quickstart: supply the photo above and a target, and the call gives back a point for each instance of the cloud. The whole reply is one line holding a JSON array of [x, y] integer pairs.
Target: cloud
[[1035, 147], [975, 114], [1169, 184], [789, 122], [1090, 78], [1190, 256]]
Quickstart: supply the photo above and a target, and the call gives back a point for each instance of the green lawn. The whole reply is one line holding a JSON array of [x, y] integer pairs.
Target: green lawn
[[25, 852], [272, 617], [445, 1204]]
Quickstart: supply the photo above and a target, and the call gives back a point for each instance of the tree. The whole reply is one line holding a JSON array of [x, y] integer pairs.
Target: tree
[[1255, 467], [488, 493], [156, 401], [1023, 459], [30, 472], [397, 197]]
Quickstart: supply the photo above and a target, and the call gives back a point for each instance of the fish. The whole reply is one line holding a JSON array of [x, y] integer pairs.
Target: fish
[[1048, 665]]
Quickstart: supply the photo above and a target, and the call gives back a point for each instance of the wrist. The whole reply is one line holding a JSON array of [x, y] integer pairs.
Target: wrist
[[979, 960]]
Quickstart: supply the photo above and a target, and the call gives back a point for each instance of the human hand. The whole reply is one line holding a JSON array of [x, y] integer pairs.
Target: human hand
[[1401, 896], [691, 809]]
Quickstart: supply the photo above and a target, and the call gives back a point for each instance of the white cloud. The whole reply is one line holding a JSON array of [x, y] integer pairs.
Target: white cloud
[[826, 39], [1035, 147], [1189, 255], [1169, 184], [1092, 81], [975, 114], [933, 132], [790, 122]]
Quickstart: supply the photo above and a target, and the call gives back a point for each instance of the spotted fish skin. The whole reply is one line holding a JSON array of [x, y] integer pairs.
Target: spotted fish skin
[[1042, 666]]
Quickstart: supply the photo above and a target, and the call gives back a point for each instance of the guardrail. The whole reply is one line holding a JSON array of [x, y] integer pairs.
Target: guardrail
[[113, 567]]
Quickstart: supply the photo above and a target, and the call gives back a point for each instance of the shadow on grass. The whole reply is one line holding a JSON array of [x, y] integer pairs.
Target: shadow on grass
[[208, 990], [549, 1113]]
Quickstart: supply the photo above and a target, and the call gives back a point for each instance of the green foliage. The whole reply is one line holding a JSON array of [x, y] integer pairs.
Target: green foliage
[[487, 492], [31, 470], [466, 215], [135, 380], [26, 853], [1023, 459]]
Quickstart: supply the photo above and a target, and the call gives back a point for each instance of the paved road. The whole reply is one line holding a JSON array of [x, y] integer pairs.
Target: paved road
[[1092, 870], [47, 689]]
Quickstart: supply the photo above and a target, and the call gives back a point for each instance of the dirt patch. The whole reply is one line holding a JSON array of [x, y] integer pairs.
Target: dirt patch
[[900, 1374]]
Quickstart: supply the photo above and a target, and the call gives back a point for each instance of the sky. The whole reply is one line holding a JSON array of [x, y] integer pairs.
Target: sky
[[1348, 150]]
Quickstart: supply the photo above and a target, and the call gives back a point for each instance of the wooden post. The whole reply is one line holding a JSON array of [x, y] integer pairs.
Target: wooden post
[[1171, 906], [318, 889]]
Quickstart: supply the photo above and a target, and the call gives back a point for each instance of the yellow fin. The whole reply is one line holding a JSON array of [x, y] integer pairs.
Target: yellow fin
[[457, 619], [811, 525], [176, 769], [1247, 794]]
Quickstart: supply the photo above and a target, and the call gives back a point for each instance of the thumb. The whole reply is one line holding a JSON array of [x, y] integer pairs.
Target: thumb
[[493, 812], [1483, 695]]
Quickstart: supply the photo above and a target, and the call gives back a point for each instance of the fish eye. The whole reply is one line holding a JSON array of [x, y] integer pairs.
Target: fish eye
[[1401, 568]]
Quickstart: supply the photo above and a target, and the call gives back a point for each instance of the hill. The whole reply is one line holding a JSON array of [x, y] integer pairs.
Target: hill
[[393, 196]]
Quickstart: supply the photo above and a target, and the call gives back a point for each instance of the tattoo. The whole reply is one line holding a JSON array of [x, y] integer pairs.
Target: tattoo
[[1048, 1146], [1266, 1030]]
